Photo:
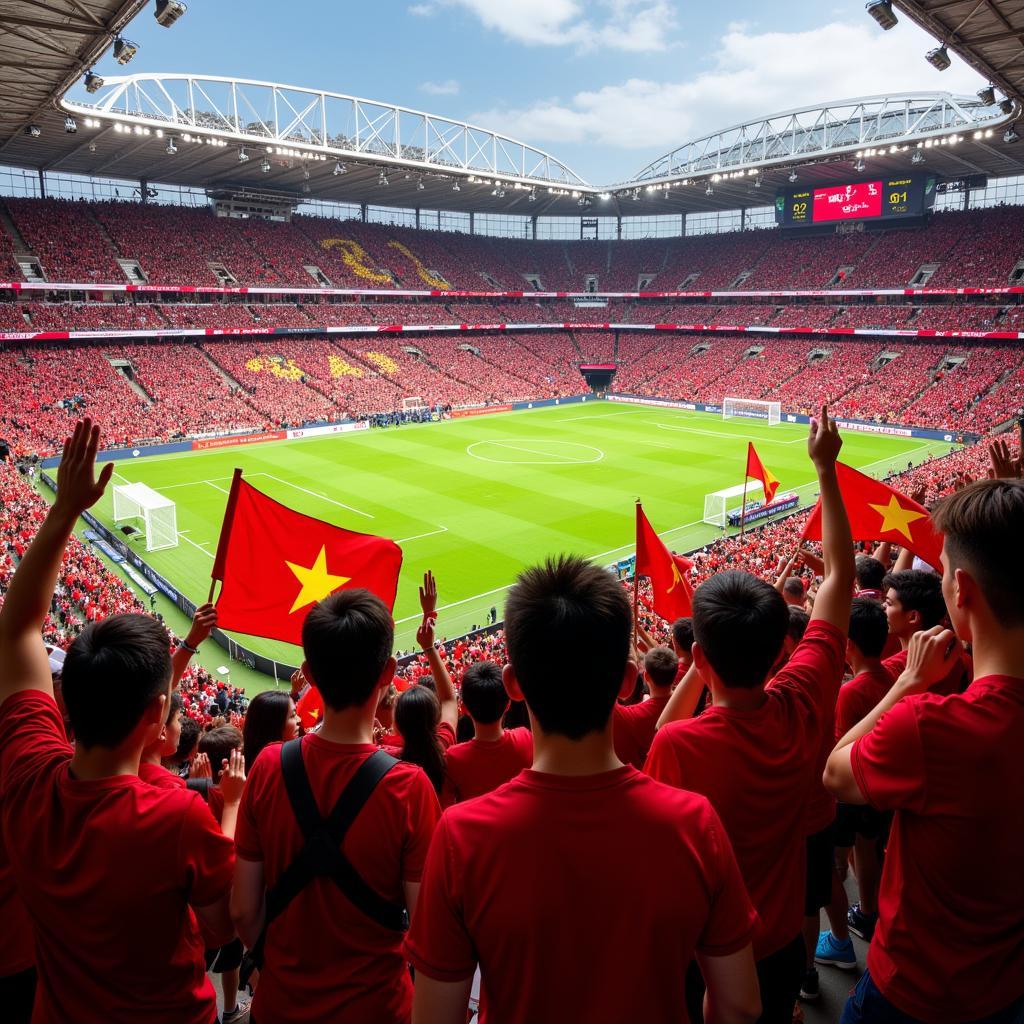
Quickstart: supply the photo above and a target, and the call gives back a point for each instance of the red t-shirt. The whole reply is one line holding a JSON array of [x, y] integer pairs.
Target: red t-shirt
[[107, 869], [157, 775], [16, 953], [633, 727], [548, 884], [326, 960], [859, 697], [756, 768], [479, 766], [445, 736], [955, 682], [949, 944]]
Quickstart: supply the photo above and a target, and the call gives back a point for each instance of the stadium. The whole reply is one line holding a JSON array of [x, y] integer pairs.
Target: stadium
[[425, 331]]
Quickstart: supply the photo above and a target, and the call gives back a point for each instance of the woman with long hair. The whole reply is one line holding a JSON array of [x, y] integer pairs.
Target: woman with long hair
[[417, 717], [270, 718]]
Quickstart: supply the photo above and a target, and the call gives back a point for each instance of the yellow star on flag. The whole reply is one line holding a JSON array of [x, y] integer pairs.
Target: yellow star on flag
[[897, 518], [677, 577], [316, 581]]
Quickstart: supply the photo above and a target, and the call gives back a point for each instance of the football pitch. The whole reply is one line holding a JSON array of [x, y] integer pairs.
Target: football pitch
[[477, 499]]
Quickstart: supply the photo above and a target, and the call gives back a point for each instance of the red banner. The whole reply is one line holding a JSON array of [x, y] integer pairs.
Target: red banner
[[459, 413], [201, 443]]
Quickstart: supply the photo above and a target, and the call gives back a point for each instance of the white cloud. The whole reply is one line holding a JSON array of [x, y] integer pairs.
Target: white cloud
[[753, 75], [630, 25], [447, 88], [422, 10]]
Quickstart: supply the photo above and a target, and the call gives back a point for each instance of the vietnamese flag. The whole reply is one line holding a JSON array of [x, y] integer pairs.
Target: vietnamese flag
[[667, 572], [757, 470], [274, 564], [310, 708], [878, 512]]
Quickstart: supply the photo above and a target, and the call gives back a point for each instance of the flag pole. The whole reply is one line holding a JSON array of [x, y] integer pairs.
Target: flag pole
[[636, 582], [217, 572], [743, 510]]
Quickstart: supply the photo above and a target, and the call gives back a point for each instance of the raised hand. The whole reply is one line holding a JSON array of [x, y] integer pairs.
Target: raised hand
[[203, 622], [823, 441], [201, 767], [425, 634], [428, 595], [232, 778], [77, 485], [1004, 465], [930, 657]]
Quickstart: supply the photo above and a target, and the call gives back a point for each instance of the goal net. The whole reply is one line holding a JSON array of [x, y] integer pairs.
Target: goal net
[[716, 504], [749, 408], [159, 514], [408, 404]]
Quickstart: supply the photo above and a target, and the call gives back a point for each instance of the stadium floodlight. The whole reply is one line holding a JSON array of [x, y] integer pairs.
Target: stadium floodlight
[[265, 165], [1011, 136], [1006, 106], [242, 155], [339, 168], [882, 12], [33, 130], [170, 149], [70, 125], [793, 176], [124, 50], [918, 157], [938, 58], [859, 166], [93, 82], [168, 12], [987, 95]]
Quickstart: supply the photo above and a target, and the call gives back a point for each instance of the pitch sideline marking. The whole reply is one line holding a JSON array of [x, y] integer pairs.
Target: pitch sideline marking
[[420, 536], [719, 433], [315, 494], [198, 547], [553, 458]]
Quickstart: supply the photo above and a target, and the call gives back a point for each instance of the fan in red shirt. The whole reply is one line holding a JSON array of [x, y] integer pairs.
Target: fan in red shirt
[[634, 725], [913, 602], [108, 866], [754, 752], [544, 883], [325, 958], [165, 745], [947, 945], [494, 755]]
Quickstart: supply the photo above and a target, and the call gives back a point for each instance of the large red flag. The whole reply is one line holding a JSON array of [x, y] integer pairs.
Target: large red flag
[[275, 564], [756, 469], [667, 572], [878, 512]]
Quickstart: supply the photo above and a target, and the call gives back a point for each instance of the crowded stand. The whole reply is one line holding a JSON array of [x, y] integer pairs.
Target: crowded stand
[[894, 381], [873, 316]]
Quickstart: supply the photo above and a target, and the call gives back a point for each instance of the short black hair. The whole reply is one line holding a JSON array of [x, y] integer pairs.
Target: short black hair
[[798, 623], [661, 666], [126, 655], [918, 591], [483, 692], [682, 633], [568, 604], [347, 639], [187, 741], [982, 524], [740, 623], [794, 586], [869, 628], [173, 706], [217, 744], [870, 572]]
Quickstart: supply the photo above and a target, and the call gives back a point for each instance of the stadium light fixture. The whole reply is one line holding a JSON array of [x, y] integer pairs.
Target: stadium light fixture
[[938, 58], [242, 155], [70, 125], [987, 95], [33, 130], [124, 50], [1011, 136], [93, 82], [168, 12], [793, 176], [265, 165], [339, 168], [918, 157], [882, 12]]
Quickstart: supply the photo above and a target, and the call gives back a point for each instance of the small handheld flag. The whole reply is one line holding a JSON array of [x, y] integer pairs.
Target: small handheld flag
[[275, 563], [310, 708], [878, 512], [668, 573], [756, 469]]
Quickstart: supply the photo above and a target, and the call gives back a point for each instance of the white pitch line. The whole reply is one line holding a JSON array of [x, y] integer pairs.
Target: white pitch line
[[720, 433], [119, 477], [315, 494], [223, 490], [198, 547], [550, 455], [420, 536]]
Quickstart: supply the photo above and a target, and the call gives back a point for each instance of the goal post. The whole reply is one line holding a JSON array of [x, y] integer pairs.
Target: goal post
[[752, 409], [158, 514], [716, 504]]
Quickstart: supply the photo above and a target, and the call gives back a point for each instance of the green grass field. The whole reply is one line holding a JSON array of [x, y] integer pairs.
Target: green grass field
[[477, 499]]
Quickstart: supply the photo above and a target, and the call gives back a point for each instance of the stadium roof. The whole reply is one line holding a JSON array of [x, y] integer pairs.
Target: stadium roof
[[44, 48], [987, 34]]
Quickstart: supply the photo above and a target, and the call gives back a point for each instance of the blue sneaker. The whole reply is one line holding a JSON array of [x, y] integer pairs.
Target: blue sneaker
[[838, 954]]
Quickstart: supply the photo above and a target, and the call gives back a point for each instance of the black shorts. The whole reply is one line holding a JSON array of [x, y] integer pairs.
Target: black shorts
[[818, 889], [854, 820], [225, 958]]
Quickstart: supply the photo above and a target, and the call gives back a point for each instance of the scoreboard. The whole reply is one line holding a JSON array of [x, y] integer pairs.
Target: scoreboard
[[891, 198]]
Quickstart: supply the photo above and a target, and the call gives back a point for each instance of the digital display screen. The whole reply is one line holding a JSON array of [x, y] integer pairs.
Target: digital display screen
[[881, 199]]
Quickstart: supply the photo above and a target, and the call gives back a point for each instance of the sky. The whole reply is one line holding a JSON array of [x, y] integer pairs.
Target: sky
[[606, 86]]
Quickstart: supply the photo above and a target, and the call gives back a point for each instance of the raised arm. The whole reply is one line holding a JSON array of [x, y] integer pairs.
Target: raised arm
[[425, 638], [23, 661], [684, 698], [835, 595], [203, 622]]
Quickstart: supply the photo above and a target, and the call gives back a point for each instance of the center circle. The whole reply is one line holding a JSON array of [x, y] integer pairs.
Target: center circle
[[516, 451]]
